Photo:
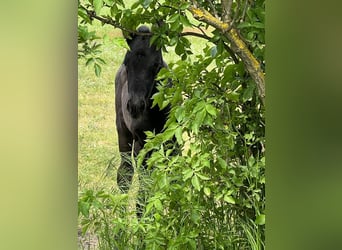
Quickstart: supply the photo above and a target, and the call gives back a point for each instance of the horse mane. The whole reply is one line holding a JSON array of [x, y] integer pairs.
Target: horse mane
[[144, 29]]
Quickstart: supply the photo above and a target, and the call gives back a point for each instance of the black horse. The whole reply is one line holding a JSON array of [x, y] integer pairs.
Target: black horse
[[135, 83]]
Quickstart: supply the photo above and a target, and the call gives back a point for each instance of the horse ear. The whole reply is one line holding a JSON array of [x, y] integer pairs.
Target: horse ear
[[129, 37]]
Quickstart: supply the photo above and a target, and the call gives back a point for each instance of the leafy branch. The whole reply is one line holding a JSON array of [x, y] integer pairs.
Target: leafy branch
[[238, 46], [225, 25], [108, 20]]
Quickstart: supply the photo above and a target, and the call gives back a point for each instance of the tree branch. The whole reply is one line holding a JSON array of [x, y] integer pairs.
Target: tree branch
[[191, 33], [204, 36], [92, 14], [205, 16], [238, 46], [113, 23]]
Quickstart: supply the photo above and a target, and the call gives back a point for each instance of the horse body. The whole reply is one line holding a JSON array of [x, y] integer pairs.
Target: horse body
[[131, 128], [134, 86]]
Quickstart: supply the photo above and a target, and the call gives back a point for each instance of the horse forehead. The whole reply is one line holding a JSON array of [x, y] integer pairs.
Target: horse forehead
[[141, 42], [144, 60]]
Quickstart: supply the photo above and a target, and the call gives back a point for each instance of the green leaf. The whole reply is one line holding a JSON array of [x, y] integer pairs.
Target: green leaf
[[175, 26], [180, 113], [97, 68], [178, 134], [229, 192], [258, 25], [195, 216], [229, 199], [173, 41], [173, 18], [248, 93], [240, 68], [158, 99], [100, 60], [210, 109], [149, 207], [187, 173], [222, 162], [167, 134], [207, 191], [163, 181], [120, 42], [154, 38], [213, 51], [89, 61], [109, 2], [202, 177], [135, 5], [251, 161], [98, 4], [184, 6], [158, 205], [146, 3], [185, 21], [200, 106], [244, 25], [218, 196], [260, 219], [157, 216], [250, 35], [200, 116], [179, 48], [229, 73], [84, 207], [192, 243], [196, 183], [164, 104], [85, 228]]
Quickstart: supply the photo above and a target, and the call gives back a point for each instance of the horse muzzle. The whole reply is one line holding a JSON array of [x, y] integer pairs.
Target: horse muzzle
[[136, 107]]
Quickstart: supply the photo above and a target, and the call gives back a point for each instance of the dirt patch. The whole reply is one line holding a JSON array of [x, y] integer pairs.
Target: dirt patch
[[88, 241]]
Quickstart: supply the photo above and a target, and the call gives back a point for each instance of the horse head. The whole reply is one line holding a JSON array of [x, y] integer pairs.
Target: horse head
[[143, 62]]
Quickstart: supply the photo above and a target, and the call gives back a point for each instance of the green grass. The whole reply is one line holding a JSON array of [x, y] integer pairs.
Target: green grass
[[97, 134]]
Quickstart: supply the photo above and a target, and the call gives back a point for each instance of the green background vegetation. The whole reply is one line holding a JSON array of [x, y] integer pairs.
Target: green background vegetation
[[38, 129], [208, 190]]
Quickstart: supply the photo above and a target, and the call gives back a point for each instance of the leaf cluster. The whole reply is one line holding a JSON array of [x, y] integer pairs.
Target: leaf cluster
[[212, 180]]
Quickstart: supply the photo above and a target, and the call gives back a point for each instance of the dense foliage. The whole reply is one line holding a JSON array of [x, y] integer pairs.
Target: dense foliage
[[207, 191]]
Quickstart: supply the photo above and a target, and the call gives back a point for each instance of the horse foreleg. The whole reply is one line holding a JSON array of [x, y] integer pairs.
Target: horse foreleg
[[125, 171]]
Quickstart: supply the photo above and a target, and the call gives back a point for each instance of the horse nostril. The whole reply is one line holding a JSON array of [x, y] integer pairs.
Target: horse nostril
[[136, 107], [129, 105], [142, 105]]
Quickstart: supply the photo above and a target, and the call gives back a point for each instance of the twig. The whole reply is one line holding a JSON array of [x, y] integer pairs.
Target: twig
[[226, 6], [191, 33], [232, 22], [213, 8], [110, 21], [204, 36], [244, 10]]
